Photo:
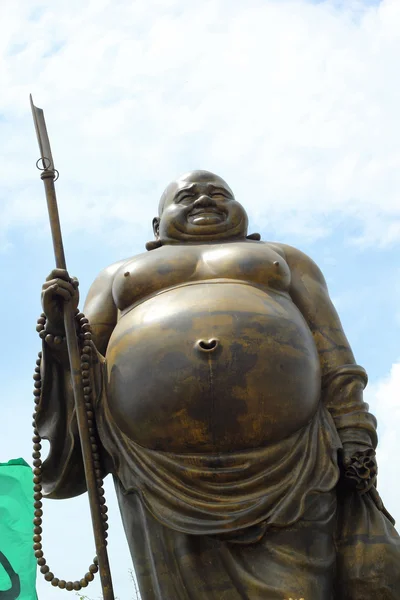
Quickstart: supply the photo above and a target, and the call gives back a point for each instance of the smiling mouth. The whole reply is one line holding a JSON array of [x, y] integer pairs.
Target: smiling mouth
[[206, 216]]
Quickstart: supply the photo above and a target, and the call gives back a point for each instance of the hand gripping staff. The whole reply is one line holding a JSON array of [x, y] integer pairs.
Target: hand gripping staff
[[49, 175]]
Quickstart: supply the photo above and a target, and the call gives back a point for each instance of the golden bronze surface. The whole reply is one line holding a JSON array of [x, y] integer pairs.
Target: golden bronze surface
[[229, 409]]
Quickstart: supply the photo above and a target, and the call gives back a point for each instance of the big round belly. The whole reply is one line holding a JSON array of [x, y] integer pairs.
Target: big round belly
[[212, 367]]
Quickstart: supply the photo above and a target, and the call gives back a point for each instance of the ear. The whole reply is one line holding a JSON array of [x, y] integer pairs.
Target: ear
[[156, 227]]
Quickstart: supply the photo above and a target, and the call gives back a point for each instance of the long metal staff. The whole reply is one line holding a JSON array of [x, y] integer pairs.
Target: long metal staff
[[49, 175]]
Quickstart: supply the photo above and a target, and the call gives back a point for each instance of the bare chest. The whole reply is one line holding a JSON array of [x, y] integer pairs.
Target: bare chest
[[169, 266]]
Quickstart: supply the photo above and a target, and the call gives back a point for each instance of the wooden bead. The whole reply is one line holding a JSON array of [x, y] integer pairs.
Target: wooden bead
[[87, 336], [37, 521], [37, 546], [62, 583], [38, 362], [77, 586], [41, 561], [90, 414], [38, 531], [38, 513], [37, 479], [37, 384], [37, 462], [83, 582], [39, 554], [69, 586], [38, 504], [89, 577], [36, 377], [37, 369], [37, 538], [36, 439], [37, 488], [37, 447], [37, 496], [87, 389], [37, 471], [44, 569], [41, 320], [85, 357], [85, 373], [42, 334], [49, 576], [39, 328], [93, 568], [87, 350], [55, 582], [83, 320]]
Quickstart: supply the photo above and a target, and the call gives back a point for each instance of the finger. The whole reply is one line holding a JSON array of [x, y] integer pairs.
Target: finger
[[57, 290], [60, 284], [59, 274], [75, 282]]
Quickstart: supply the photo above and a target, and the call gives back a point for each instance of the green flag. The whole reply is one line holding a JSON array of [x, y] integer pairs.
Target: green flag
[[17, 560]]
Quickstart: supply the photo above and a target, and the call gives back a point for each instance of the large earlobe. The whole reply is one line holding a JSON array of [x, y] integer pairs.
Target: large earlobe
[[156, 227]]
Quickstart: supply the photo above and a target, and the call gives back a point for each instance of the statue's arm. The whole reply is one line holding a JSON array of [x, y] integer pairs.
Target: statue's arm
[[100, 307], [343, 381], [63, 473]]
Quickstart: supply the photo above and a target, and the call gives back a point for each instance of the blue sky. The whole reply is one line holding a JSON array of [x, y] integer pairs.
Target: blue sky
[[294, 103]]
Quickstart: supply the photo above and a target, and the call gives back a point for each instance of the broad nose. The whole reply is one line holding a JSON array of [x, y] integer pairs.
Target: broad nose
[[203, 201]]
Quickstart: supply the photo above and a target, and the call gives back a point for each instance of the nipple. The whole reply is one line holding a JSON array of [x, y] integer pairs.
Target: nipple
[[276, 264], [126, 274]]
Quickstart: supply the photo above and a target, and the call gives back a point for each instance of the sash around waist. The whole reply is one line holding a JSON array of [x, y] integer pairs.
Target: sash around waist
[[211, 494]]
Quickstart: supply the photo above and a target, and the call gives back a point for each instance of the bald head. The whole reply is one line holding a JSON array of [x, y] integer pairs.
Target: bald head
[[191, 177], [199, 207]]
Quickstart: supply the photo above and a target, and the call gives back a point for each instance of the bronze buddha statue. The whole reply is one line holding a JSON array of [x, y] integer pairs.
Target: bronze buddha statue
[[229, 408]]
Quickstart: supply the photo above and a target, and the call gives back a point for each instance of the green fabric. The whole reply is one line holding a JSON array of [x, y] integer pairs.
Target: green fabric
[[17, 560]]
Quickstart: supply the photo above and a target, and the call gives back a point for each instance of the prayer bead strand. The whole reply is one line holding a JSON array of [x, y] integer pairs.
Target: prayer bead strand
[[85, 336]]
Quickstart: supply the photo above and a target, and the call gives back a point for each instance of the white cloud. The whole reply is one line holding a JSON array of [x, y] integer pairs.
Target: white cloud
[[295, 103], [384, 399]]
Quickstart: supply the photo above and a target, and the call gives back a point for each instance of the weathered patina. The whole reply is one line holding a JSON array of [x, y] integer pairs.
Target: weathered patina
[[230, 412]]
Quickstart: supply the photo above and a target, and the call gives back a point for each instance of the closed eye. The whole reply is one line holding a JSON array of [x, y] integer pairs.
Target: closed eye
[[220, 195], [185, 198]]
